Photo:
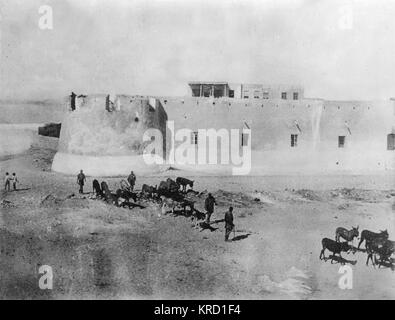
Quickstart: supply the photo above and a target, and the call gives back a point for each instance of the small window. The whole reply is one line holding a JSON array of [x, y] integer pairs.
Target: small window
[[244, 139], [245, 97], [294, 140], [284, 95], [194, 137], [231, 93], [296, 96], [342, 140], [265, 95], [391, 141]]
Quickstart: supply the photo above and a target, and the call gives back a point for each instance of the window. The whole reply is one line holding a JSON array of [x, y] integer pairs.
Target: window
[[342, 140], [265, 95], [391, 141], [294, 140], [256, 94], [284, 95], [196, 92], [194, 137], [245, 97], [231, 93], [244, 139], [296, 96]]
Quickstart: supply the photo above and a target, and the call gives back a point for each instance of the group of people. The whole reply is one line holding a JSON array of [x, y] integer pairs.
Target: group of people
[[208, 204], [8, 179], [209, 207]]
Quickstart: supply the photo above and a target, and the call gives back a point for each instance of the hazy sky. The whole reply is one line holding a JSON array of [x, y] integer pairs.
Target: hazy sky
[[335, 49]]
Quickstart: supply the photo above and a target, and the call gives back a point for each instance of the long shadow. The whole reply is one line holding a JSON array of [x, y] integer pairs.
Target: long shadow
[[241, 237], [386, 264], [205, 225], [24, 189], [218, 221], [355, 249]]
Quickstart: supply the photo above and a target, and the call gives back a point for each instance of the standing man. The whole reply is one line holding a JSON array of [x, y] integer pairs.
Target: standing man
[[7, 181], [209, 206], [228, 223], [132, 180], [81, 180], [14, 180]]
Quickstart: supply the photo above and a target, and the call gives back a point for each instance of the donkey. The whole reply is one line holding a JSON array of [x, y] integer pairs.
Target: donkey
[[96, 188], [334, 247], [148, 190], [382, 249], [183, 182], [347, 235], [168, 188], [126, 195], [370, 236], [107, 193]]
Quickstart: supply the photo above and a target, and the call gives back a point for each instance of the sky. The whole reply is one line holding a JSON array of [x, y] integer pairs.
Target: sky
[[339, 50]]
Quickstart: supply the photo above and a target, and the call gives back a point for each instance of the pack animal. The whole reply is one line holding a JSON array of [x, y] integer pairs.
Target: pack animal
[[150, 191], [334, 247], [96, 188], [347, 235], [370, 236], [183, 182], [384, 251], [126, 195], [107, 193], [168, 188], [172, 204]]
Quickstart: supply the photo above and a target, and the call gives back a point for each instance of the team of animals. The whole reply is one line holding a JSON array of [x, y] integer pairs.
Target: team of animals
[[170, 194], [378, 247]]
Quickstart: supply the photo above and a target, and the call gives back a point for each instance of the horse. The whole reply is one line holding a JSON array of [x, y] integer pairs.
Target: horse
[[347, 235], [370, 236]]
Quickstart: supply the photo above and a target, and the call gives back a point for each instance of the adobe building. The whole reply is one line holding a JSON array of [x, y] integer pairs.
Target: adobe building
[[103, 135], [289, 133]]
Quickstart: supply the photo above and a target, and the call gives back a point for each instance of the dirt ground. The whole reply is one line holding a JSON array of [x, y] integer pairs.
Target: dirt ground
[[97, 250]]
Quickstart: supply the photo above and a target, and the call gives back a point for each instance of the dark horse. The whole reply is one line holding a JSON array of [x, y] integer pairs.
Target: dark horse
[[347, 235]]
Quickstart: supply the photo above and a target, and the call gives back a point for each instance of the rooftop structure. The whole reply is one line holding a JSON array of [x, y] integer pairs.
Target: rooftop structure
[[244, 91]]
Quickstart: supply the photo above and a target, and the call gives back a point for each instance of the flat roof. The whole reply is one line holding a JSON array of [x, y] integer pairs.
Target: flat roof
[[207, 82]]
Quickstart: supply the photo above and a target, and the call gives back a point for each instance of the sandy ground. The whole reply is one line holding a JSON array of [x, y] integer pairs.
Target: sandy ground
[[97, 250]]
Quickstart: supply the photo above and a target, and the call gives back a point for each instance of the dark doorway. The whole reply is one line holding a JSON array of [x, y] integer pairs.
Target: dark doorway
[[391, 141]]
